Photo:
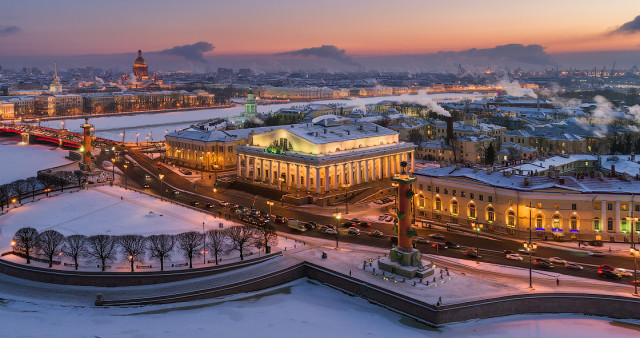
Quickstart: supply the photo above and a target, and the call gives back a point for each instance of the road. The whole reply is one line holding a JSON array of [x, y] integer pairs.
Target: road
[[490, 247]]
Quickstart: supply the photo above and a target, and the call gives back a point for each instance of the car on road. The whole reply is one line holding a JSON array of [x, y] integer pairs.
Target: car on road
[[176, 192], [310, 225], [330, 231], [557, 260], [609, 274], [506, 252], [606, 267], [363, 223], [224, 203], [210, 206], [543, 263], [323, 228], [146, 185], [422, 240], [514, 256], [195, 203], [596, 254], [471, 254], [452, 245], [438, 245], [375, 233], [349, 224], [147, 176], [280, 219], [570, 265], [623, 272], [255, 212], [353, 231], [525, 251], [437, 236]]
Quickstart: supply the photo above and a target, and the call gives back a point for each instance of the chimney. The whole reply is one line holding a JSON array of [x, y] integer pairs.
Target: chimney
[[325, 130], [376, 128], [561, 180], [449, 129], [613, 170], [527, 182], [348, 132]]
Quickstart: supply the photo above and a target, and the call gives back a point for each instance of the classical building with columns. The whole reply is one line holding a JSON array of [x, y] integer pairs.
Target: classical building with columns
[[581, 206], [322, 158]]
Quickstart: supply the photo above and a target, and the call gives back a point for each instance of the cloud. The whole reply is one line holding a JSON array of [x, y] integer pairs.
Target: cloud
[[533, 54], [630, 27], [8, 30], [193, 52], [324, 51]]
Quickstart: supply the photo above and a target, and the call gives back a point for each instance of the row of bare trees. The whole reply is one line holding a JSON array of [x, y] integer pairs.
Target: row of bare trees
[[25, 188], [135, 248]]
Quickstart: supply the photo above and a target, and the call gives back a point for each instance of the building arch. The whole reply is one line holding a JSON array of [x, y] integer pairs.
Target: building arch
[[454, 207], [437, 203], [490, 214], [471, 210], [597, 226], [556, 221], [574, 223], [610, 227], [539, 221], [511, 218], [421, 201]]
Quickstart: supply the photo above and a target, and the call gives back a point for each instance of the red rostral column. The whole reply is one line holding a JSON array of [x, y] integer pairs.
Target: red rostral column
[[404, 198], [86, 158]]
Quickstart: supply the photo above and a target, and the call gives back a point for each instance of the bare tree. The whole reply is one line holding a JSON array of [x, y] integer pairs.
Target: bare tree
[[5, 193], [266, 236], [50, 242], [79, 175], [75, 246], [61, 179], [133, 247], [160, 247], [190, 243], [33, 183], [216, 243], [242, 237], [101, 248], [26, 239], [21, 187]]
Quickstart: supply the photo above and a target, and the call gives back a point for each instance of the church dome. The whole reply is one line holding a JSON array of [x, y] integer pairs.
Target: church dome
[[140, 60]]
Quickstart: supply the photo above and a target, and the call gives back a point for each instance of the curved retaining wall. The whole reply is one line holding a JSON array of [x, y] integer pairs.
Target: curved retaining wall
[[112, 279]]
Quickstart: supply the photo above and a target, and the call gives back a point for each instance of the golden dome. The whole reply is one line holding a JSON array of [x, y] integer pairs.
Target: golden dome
[[140, 61]]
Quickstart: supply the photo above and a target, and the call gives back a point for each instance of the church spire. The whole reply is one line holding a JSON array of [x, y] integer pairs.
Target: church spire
[[55, 71]]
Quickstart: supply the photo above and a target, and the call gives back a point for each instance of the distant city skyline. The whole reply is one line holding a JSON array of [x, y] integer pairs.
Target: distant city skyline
[[361, 28]]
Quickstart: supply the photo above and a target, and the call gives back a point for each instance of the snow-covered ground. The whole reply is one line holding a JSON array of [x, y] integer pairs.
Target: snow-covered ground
[[19, 160], [298, 309], [157, 125]]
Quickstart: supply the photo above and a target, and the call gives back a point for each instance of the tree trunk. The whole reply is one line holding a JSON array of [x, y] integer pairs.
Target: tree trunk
[[161, 264], [103, 268], [216, 255], [131, 265], [26, 249], [241, 254], [50, 262], [190, 261], [75, 261]]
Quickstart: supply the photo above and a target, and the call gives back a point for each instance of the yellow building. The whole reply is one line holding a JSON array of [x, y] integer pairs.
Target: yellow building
[[583, 207]]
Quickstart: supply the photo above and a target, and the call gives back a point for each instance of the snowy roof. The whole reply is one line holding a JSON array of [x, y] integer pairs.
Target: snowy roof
[[556, 161], [435, 144], [194, 134]]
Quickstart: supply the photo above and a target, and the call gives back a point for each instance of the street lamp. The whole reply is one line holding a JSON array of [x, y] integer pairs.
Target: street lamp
[[13, 247], [346, 204], [137, 135], [161, 176], [338, 216], [635, 252], [270, 203], [113, 170], [530, 247], [477, 227], [281, 199], [125, 176]]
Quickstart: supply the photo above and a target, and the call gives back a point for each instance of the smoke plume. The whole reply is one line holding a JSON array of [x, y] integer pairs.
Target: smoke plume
[[514, 88], [325, 51], [630, 27], [193, 52], [424, 100]]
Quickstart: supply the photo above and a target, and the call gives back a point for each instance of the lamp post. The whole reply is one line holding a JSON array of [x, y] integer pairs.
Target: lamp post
[[346, 203], [13, 247], [530, 247], [281, 199], [337, 215], [161, 176], [635, 252], [113, 170], [125, 176], [137, 135], [270, 203], [476, 227]]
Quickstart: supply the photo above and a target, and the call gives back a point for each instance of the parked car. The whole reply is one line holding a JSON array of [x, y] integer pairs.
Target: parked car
[[176, 192], [623, 272], [452, 245], [439, 245], [280, 219], [310, 225], [375, 233], [353, 231], [606, 267], [557, 260], [224, 203], [255, 212], [209, 206], [382, 217], [422, 240], [574, 266], [330, 231], [147, 176], [596, 254], [514, 256], [609, 274], [195, 203], [437, 236], [324, 228], [146, 185], [543, 263], [506, 252]]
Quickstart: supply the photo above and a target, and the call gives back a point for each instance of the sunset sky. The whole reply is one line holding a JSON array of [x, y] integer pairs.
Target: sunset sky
[[361, 27]]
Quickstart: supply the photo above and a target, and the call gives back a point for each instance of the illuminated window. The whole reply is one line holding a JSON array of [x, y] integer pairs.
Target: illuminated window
[[539, 222], [421, 201], [596, 224], [438, 204], [454, 207], [539, 205], [472, 210], [624, 207], [555, 205], [610, 224], [596, 205], [556, 222], [573, 222], [491, 215], [624, 225], [511, 219]]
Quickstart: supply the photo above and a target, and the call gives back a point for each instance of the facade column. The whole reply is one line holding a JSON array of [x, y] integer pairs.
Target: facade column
[[255, 169], [326, 179], [307, 179], [381, 167], [603, 218], [346, 179], [398, 163], [336, 186], [413, 155], [262, 173], [279, 164], [239, 172], [270, 172], [246, 166], [317, 178], [297, 176], [616, 222], [366, 171], [289, 179], [374, 170], [385, 167]]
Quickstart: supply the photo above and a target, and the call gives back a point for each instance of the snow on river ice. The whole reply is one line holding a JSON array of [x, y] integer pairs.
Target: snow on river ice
[[19, 160], [301, 308], [158, 124]]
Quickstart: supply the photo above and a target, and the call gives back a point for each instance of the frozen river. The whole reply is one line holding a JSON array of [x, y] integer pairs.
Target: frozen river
[[19, 161], [156, 125]]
